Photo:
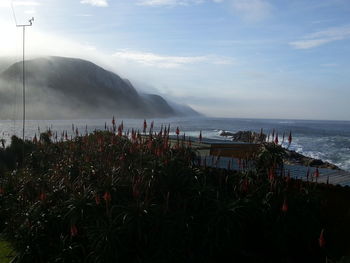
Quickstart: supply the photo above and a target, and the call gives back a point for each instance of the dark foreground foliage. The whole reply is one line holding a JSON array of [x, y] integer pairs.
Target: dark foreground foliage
[[109, 198]]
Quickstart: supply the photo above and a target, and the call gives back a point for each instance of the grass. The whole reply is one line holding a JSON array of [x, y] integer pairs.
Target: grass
[[6, 252]]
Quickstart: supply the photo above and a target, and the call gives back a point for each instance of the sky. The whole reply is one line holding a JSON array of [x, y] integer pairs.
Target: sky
[[224, 58]]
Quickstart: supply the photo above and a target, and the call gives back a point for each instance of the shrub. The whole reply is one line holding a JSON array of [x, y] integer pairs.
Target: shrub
[[111, 198]]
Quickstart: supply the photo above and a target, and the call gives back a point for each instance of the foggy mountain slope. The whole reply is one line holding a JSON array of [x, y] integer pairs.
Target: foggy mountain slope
[[5, 62], [152, 99], [60, 88], [183, 110]]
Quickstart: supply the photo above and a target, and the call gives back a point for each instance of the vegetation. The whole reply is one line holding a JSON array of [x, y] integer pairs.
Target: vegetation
[[112, 196], [6, 252]]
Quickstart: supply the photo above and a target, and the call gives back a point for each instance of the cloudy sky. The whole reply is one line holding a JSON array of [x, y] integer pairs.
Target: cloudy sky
[[229, 58]]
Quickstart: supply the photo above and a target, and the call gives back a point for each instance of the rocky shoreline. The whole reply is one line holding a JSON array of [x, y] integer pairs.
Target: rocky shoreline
[[290, 156]]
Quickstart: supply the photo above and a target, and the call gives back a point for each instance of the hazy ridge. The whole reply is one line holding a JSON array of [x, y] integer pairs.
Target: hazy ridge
[[68, 88]]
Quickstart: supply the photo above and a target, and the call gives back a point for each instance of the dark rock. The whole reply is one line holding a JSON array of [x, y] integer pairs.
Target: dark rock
[[226, 133], [292, 157], [316, 162], [244, 136]]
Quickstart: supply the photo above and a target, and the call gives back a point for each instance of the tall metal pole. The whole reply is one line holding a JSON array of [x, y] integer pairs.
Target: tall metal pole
[[24, 84], [24, 79]]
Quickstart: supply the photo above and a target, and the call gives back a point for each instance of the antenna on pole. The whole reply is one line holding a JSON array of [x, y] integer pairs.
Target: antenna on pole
[[30, 23]]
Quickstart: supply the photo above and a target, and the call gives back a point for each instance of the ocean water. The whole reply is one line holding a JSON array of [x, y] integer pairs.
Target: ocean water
[[325, 140]]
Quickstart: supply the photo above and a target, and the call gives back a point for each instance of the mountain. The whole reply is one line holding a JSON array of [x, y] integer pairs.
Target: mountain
[[61, 88], [5, 62]]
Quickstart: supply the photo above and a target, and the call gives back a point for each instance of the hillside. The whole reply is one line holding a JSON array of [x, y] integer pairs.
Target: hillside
[[65, 88]]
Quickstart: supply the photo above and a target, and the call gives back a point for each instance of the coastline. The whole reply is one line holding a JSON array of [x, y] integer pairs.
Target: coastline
[[290, 157], [328, 141]]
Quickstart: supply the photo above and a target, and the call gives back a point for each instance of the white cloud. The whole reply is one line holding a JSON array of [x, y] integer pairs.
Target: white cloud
[[169, 2], [310, 43], [329, 65], [155, 60], [151, 59], [100, 3], [251, 10], [322, 37]]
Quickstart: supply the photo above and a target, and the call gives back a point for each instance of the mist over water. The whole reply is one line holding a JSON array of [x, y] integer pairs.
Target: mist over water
[[326, 140]]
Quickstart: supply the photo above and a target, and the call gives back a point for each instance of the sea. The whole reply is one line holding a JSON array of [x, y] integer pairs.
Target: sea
[[325, 140]]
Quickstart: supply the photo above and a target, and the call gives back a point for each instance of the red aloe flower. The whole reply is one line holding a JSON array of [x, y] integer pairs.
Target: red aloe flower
[[135, 192], [290, 137], [271, 175], [42, 196], [120, 131], [321, 240], [166, 161], [317, 173], [113, 121], [284, 206], [276, 139], [97, 199], [73, 231], [122, 158], [245, 185], [166, 143], [133, 135], [150, 144], [189, 143], [107, 197], [177, 131], [158, 152], [144, 126], [35, 139]]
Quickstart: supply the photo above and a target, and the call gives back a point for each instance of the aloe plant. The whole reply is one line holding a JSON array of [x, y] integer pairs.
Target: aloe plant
[[109, 197]]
